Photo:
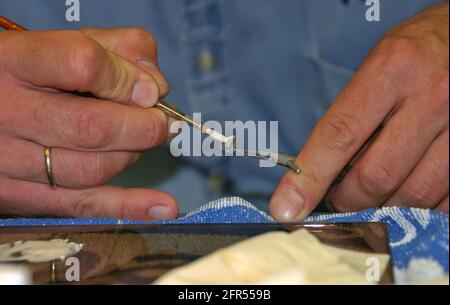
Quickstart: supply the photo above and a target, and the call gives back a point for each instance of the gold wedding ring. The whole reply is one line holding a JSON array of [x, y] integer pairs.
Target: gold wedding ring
[[48, 167], [53, 272]]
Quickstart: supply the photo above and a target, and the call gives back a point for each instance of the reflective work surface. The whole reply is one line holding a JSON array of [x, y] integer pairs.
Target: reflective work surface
[[138, 254]]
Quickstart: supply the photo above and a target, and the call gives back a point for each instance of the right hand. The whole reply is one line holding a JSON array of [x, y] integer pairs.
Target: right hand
[[92, 138]]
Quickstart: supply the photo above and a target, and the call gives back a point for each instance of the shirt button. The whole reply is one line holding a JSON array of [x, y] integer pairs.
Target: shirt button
[[206, 61]]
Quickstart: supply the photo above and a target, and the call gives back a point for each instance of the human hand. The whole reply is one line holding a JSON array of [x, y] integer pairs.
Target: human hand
[[402, 87], [92, 138]]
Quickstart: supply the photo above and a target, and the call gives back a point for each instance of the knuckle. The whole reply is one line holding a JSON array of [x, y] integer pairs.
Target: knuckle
[[339, 134], [375, 180], [314, 179], [86, 205], [90, 204], [138, 35], [93, 170], [85, 59], [397, 53], [93, 129], [13, 106]]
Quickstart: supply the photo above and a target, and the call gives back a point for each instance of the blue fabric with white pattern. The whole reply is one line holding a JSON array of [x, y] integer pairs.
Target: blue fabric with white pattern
[[419, 239]]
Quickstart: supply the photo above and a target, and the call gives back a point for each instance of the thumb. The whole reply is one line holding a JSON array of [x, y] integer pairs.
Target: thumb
[[122, 81], [135, 45]]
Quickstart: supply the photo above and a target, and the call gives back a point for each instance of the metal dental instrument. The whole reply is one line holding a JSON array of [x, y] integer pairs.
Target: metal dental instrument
[[228, 142], [174, 112], [277, 158]]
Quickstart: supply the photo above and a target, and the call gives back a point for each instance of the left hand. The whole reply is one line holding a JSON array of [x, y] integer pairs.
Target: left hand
[[403, 86]]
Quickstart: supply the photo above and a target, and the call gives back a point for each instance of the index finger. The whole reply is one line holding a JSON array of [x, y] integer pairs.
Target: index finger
[[357, 112]]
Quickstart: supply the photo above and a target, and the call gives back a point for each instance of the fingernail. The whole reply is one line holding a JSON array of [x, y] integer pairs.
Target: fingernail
[[173, 128], [160, 212], [288, 204], [145, 93]]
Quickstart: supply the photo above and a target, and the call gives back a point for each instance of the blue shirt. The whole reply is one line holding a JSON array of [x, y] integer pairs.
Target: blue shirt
[[271, 60]]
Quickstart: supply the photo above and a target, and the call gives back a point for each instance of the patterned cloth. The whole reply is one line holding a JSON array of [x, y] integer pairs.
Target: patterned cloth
[[418, 238]]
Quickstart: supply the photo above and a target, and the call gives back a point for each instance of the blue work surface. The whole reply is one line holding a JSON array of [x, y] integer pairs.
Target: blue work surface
[[418, 238]]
